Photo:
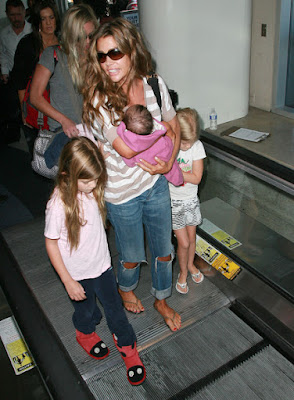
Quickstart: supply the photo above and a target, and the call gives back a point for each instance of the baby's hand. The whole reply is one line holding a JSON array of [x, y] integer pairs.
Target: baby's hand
[[75, 290]]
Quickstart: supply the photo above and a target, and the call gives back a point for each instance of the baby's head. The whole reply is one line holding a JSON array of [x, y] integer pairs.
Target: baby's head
[[138, 120], [189, 125]]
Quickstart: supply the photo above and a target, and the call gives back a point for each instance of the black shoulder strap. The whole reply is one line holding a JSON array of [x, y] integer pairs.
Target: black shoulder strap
[[153, 82]]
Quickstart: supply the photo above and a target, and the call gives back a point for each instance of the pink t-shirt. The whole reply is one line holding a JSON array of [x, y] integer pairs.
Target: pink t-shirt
[[92, 257]]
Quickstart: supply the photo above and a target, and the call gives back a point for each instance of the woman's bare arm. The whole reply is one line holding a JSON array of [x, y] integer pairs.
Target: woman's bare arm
[[39, 83]]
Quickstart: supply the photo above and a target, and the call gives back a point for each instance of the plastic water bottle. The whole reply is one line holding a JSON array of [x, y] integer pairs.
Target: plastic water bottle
[[213, 119]]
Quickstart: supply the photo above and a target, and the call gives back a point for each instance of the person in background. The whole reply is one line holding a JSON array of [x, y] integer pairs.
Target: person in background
[[10, 36], [77, 247], [46, 26], [136, 197], [66, 78], [29, 10], [184, 199]]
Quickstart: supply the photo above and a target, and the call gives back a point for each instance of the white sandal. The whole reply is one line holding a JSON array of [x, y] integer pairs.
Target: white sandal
[[198, 277], [183, 286]]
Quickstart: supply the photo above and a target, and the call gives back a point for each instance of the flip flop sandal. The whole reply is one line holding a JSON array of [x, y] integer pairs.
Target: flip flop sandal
[[131, 302], [93, 345], [136, 372], [183, 286], [198, 277], [165, 317]]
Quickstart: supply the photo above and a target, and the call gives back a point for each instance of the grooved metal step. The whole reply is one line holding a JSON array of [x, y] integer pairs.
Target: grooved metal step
[[267, 375], [27, 245], [181, 359]]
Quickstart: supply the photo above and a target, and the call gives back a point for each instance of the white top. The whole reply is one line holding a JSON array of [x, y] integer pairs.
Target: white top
[[125, 183], [185, 160], [92, 257], [8, 44]]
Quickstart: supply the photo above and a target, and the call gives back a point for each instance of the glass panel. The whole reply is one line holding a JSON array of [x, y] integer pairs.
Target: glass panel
[[254, 213]]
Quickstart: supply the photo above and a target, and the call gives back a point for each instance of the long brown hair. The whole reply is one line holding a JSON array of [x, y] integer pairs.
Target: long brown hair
[[98, 85], [36, 21], [80, 159]]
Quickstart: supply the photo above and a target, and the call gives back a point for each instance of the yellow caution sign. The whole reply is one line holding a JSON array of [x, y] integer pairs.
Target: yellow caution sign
[[20, 356], [216, 259], [15, 346]]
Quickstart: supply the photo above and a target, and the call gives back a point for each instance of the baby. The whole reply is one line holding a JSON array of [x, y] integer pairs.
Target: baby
[[144, 134]]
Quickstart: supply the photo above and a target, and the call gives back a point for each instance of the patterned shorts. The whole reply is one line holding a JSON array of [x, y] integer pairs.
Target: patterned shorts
[[185, 212]]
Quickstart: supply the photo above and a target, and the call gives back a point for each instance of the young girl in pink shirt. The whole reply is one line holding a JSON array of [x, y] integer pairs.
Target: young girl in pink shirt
[[77, 247]]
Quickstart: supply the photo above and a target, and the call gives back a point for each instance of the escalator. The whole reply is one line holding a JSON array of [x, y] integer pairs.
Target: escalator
[[237, 337]]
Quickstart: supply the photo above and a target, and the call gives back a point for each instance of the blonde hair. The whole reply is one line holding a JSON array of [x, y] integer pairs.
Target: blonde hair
[[73, 39], [189, 124], [97, 82], [80, 159]]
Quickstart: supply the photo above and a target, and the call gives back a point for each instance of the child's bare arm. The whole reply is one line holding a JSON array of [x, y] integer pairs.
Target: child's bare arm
[[195, 175], [74, 289]]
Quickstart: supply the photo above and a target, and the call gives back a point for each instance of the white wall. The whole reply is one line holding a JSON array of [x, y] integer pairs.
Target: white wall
[[202, 50]]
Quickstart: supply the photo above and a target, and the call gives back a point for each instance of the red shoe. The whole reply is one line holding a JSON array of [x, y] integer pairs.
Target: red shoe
[[136, 373], [92, 344]]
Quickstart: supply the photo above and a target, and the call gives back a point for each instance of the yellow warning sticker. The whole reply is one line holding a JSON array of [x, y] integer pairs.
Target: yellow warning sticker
[[216, 259], [223, 237], [19, 355], [227, 240], [15, 346]]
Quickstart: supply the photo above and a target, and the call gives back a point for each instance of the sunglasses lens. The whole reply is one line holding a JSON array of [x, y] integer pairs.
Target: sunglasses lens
[[102, 57], [115, 54]]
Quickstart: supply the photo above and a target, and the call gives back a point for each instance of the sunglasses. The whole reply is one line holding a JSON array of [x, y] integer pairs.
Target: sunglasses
[[114, 54]]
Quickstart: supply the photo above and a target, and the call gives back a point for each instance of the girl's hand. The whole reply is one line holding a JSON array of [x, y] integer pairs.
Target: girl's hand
[[69, 127], [161, 167], [75, 290]]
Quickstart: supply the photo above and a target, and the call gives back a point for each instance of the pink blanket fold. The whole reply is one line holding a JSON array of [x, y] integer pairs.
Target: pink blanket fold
[[150, 148]]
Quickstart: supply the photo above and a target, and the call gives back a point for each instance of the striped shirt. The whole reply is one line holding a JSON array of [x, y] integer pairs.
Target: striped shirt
[[125, 183]]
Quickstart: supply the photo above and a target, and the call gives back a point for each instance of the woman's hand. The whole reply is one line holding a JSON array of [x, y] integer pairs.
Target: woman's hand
[[69, 127], [40, 81], [161, 167]]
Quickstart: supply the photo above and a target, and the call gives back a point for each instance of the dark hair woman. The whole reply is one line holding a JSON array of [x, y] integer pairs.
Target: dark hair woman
[[46, 25], [115, 79]]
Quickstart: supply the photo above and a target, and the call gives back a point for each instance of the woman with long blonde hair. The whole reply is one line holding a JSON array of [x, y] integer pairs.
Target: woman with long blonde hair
[[77, 247], [137, 197], [64, 73]]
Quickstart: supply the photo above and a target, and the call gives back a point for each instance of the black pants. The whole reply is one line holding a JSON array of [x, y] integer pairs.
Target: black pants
[[10, 115]]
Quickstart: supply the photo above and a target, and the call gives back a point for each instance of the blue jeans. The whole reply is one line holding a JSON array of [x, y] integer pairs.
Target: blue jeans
[[152, 210], [87, 314]]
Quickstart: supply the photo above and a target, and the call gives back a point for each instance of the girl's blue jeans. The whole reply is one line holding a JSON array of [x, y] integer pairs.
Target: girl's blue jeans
[[152, 210], [87, 314]]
